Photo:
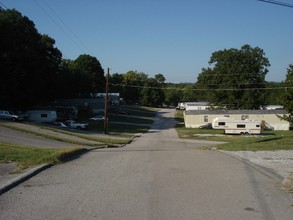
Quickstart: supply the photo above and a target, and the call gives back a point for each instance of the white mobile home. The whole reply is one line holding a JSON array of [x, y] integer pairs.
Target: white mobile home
[[232, 126], [41, 115], [197, 106], [197, 118], [194, 105]]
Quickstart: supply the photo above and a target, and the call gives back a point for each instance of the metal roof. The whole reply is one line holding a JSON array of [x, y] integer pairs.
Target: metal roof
[[235, 112]]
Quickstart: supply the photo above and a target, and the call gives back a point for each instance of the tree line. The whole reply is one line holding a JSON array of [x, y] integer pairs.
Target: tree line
[[33, 71]]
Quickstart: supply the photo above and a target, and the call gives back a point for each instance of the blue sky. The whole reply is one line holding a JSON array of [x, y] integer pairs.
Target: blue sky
[[173, 37]]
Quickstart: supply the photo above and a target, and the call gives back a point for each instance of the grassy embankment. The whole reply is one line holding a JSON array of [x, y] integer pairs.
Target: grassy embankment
[[269, 140], [24, 156]]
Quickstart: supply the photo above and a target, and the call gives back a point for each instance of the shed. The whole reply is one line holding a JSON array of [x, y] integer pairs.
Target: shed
[[197, 118]]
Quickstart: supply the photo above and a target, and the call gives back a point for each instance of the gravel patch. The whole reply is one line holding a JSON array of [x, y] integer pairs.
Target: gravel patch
[[280, 162]]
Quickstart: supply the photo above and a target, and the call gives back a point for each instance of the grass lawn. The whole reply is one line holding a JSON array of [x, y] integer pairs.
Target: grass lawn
[[135, 110], [25, 157]]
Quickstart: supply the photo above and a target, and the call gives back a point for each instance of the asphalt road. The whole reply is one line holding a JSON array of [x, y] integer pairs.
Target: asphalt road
[[158, 176]]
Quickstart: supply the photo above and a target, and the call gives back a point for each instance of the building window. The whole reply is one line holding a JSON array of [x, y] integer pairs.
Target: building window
[[244, 117], [240, 126], [206, 118]]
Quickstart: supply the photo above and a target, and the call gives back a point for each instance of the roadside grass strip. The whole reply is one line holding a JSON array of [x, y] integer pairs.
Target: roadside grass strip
[[100, 141], [25, 157]]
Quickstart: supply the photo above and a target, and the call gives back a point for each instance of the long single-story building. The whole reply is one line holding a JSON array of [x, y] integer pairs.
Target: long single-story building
[[197, 118], [193, 105]]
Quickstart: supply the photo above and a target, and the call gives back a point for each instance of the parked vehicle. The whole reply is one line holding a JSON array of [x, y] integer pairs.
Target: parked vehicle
[[206, 126], [232, 126], [122, 111], [60, 124], [74, 124], [97, 118], [9, 115]]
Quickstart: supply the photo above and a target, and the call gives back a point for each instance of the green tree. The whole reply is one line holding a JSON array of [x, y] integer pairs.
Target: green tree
[[90, 74], [172, 96], [236, 78], [160, 78], [115, 82], [188, 93], [50, 61], [28, 62], [152, 93], [287, 98], [273, 94], [68, 86], [133, 82]]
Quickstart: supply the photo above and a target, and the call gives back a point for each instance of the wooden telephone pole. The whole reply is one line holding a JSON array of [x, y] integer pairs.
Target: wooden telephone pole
[[106, 103]]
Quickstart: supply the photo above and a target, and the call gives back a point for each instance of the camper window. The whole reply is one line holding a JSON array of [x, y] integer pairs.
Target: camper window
[[240, 125], [222, 123], [244, 117], [206, 118]]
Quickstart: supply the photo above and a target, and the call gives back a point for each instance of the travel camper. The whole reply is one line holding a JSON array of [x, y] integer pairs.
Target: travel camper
[[41, 115], [233, 126]]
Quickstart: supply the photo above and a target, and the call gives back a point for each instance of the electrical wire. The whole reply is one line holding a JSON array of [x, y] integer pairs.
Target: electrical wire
[[59, 26], [4, 6], [277, 3], [202, 89], [67, 27]]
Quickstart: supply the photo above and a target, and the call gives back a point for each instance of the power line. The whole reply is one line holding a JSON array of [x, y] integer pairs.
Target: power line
[[66, 26], [277, 3], [202, 89], [4, 6], [61, 28]]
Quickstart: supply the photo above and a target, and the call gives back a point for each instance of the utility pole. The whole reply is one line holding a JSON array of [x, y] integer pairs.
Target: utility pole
[[106, 103]]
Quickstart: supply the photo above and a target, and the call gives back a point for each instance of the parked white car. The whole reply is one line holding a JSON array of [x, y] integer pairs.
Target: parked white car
[[74, 124], [97, 118], [4, 114]]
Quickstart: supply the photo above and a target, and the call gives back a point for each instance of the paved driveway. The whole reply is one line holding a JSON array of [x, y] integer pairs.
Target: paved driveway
[[158, 176]]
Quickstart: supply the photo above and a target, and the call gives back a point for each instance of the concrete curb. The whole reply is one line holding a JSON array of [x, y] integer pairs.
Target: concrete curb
[[23, 177]]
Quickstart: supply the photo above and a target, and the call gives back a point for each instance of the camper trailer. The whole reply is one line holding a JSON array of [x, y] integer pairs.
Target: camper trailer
[[233, 126], [41, 115]]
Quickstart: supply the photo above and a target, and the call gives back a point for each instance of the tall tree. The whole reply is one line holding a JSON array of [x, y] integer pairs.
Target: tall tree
[[160, 78], [133, 82], [236, 78], [152, 93], [90, 74], [172, 95], [287, 98], [115, 82], [28, 62]]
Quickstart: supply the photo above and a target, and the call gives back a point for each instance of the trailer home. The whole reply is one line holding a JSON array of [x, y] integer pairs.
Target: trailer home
[[272, 118], [233, 126], [41, 116]]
